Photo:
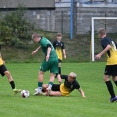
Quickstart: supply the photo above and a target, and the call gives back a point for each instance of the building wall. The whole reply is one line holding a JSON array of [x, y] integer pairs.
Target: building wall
[[28, 3], [58, 20]]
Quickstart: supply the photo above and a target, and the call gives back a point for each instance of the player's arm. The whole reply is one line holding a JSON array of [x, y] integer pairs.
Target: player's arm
[[81, 92], [64, 53], [98, 56], [64, 76], [48, 51], [35, 51]]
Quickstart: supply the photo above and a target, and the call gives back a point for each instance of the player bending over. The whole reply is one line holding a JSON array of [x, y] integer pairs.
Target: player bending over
[[50, 62]]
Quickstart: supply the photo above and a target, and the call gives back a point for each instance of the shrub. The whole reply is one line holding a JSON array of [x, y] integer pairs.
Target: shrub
[[14, 27]]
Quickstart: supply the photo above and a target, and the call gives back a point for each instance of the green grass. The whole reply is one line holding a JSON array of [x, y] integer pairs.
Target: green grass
[[90, 77]]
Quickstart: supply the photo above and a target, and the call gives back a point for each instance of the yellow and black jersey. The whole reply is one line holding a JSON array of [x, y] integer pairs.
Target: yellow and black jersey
[[59, 46], [68, 87], [112, 53], [1, 61]]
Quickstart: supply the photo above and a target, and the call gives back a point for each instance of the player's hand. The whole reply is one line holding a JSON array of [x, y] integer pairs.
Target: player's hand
[[84, 96], [98, 56], [33, 52], [47, 57], [64, 56]]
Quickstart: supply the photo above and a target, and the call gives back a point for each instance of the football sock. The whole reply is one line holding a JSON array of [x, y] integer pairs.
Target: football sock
[[59, 72], [56, 75], [115, 83], [40, 86], [110, 88], [12, 84], [50, 85]]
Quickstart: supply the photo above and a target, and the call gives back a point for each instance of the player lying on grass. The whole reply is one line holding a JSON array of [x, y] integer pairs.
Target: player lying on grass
[[65, 88], [4, 71]]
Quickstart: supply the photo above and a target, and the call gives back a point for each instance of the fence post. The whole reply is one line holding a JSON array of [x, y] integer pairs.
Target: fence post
[[71, 20]]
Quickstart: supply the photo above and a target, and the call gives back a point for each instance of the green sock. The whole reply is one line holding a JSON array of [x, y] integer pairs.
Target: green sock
[[50, 85], [40, 86]]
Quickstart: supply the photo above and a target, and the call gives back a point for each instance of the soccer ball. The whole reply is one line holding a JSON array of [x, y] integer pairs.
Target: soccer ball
[[25, 93]]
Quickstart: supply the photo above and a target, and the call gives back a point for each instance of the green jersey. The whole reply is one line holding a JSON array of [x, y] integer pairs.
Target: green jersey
[[43, 43]]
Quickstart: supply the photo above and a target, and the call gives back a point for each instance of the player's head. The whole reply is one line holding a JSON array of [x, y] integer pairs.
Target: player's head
[[36, 37], [101, 33], [72, 76], [59, 36]]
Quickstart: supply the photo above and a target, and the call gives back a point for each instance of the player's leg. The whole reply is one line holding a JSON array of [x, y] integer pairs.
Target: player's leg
[[55, 93], [108, 72], [4, 71], [53, 63], [52, 76], [115, 79], [55, 90], [45, 86], [114, 75], [43, 68], [40, 83], [59, 72]]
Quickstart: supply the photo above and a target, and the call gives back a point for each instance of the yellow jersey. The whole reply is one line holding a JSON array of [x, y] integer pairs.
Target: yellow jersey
[[1, 61], [59, 46], [66, 88], [111, 54]]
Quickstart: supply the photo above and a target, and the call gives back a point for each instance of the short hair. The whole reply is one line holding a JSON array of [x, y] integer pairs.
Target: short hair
[[102, 31], [59, 34], [36, 35], [73, 75]]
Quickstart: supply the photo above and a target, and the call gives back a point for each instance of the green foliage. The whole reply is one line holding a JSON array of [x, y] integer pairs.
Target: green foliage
[[14, 28]]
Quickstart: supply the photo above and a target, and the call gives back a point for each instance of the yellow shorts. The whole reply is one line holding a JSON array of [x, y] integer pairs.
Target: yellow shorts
[[64, 90]]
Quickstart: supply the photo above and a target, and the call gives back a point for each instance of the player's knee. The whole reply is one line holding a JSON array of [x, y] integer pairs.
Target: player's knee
[[7, 73], [41, 73], [106, 78]]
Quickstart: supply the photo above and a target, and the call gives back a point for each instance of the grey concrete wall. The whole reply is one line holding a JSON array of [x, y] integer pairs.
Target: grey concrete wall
[[84, 16], [27, 3], [58, 20]]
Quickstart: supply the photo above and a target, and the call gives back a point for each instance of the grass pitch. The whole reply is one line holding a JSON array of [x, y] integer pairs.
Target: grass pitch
[[90, 77]]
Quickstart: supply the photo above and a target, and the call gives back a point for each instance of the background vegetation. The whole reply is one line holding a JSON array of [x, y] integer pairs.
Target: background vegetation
[[17, 45]]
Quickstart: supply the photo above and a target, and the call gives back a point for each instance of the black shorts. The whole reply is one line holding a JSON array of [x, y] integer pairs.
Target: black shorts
[[111, 70], [56, 87], [2, 69]]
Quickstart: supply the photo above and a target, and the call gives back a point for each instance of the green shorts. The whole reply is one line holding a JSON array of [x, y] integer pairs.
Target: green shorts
[[51, 65]]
